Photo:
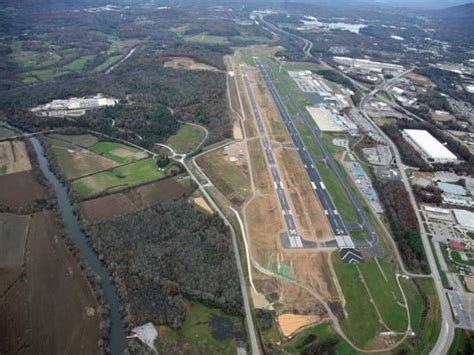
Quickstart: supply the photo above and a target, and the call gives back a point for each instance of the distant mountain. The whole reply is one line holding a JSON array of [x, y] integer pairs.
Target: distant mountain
[[424, 4]]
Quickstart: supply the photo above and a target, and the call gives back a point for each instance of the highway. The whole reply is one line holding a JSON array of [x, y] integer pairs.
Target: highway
[[335, 221], [294, 238]]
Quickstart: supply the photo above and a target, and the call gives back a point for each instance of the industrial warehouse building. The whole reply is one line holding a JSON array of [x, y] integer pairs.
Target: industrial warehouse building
[[430, 148]]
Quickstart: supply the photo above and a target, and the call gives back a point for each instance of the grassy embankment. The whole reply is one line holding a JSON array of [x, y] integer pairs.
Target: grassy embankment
[[186, 139]]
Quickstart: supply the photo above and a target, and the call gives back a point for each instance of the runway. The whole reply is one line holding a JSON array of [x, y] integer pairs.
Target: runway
[[343, 239], [293, 236]]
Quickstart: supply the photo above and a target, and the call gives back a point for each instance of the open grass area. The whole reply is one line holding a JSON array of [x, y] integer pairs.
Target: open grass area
[[52, 73], [457, 258], [206, 38], [205, 330], [383, 286], [118, 152], [362, 323], [82, 140], [463, 342], [425, 317], [108, 62], [186, 138], [229, 178], [308, 141], [119, 178], [75, 161], [337, 193], [317, 334]]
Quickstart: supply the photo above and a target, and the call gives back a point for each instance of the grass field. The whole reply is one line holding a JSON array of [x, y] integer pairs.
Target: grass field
[[426, 329], [205, 330], [386, 293], [118, 152], [82, 140], [463, 342], [107, 63], [118, 178], [308, 141], [206, 38], [457, 258], [52, 73], [75, 161], [337, 193], [362, 323], [228, 178], [186, 138]]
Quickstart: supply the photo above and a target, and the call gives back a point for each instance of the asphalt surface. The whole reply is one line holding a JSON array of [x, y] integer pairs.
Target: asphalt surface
[[294, 238]]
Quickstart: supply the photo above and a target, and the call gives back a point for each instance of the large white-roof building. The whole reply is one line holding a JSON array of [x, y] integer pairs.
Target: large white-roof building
[[465, 219], [429, 146]]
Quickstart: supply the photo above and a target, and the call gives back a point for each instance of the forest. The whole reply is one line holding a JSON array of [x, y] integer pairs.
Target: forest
[[403, 223], [165, 254]]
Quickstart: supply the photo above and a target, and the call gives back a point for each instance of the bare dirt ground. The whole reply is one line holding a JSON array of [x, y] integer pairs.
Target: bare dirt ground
[[202, 203], [60, 296], [441, 116], [122, 152], [418, 78], [110, 206], [275, 129], [290, 323], [19, 189], [469, 283], [14, 157], [237, 131], [310, 219], [187, 63]]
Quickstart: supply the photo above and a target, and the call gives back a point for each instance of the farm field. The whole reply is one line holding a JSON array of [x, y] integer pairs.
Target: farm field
[[75, 161], [13, 157], [118, 152], [231, 178], [110, 206], [19, 189], [123, 176], [205, 330], [62, 301], [13, 233], [187, 138]]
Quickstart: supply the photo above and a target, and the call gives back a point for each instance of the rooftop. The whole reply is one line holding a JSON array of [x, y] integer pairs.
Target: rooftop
[[429, 144]]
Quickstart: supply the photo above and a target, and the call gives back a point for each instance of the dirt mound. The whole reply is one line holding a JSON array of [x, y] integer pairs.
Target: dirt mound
[[291, 323]]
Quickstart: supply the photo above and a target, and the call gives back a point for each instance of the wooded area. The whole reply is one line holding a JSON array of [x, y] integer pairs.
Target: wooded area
[[166, 253]]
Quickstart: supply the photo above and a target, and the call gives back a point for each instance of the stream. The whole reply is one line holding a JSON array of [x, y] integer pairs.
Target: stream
[[117, 337]]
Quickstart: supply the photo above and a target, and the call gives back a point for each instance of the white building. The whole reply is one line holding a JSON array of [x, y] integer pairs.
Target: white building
[[465, 219], [429, 146]]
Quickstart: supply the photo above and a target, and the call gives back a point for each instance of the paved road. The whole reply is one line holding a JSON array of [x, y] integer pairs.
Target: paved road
[[294, 238]]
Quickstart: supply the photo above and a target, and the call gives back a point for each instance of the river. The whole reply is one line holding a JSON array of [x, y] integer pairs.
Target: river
[[117, 338]]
